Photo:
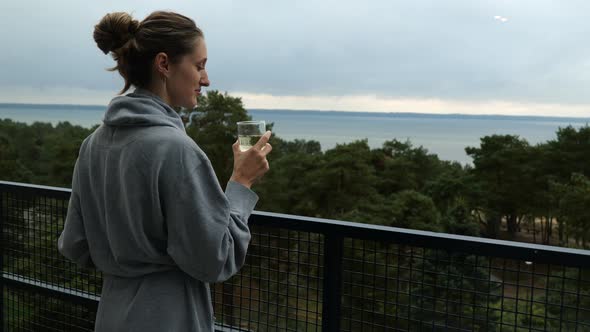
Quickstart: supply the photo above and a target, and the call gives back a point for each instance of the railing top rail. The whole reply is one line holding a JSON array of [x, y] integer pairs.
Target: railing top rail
[[466, 244], [345, 229], [27, 188]]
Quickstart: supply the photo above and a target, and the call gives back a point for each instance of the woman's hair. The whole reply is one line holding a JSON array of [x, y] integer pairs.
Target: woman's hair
[[135, 44]]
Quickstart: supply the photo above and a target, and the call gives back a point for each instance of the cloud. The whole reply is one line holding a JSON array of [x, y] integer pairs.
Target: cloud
[[55, 95], [372, 103], [391, 49]]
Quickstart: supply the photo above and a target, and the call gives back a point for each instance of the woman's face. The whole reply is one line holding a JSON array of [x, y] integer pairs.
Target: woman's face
[[186, 77]]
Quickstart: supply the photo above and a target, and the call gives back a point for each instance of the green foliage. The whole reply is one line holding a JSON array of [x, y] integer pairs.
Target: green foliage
[[39, 153], [411, 209], [342, 179], [501, 168], [400, 166], [459, 220], [446, 299], [571, 152], [573, 208]]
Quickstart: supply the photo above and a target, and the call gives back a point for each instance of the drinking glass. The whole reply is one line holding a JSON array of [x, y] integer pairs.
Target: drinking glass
[[249, 132]]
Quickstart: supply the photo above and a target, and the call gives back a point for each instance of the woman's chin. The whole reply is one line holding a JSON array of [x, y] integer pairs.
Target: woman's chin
[[193, 103]]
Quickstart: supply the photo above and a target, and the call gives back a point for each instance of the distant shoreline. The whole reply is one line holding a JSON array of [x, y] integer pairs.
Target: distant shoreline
[[335, 112], [443, 135]]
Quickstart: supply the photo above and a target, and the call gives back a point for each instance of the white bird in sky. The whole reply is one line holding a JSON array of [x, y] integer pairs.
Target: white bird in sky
[[500, 18]]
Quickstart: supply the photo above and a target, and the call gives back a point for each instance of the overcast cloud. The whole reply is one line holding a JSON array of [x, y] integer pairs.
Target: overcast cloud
[[459, 52]]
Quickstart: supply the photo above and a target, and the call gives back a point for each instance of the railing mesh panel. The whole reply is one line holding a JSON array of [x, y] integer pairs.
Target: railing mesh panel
[[384, 286]]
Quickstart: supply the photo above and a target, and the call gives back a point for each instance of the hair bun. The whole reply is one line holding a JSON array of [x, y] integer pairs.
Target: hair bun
[[114, 30]]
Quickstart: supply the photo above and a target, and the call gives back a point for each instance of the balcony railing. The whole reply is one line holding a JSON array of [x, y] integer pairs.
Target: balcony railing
[[309, 274]]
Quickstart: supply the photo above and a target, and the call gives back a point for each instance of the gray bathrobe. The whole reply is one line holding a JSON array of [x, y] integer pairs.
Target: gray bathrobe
[[147, 210]]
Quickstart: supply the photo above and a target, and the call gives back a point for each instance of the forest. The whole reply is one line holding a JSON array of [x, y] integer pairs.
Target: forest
[[513, 190]]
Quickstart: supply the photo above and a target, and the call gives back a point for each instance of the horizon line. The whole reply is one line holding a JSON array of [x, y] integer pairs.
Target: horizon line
[[339, 111]]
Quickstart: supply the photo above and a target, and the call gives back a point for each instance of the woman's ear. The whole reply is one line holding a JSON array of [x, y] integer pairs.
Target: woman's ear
[[162, 63]]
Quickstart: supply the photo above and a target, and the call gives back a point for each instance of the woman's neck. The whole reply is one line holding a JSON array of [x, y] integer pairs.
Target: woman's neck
[[159, 89]]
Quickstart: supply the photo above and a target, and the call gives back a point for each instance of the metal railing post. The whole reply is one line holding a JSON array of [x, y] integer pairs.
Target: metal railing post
[[333, 252]]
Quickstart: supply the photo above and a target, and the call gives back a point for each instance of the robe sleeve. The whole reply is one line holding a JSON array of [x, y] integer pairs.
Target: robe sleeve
[[72, 242], [208, 233]]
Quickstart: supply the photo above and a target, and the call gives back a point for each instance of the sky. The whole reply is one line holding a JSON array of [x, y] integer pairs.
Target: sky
[[512, 57]]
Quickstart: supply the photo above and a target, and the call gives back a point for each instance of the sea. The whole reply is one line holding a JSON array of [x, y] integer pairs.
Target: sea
[[445, 135]]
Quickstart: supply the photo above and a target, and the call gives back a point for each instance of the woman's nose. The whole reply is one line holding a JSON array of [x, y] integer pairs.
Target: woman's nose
[[204, 79]]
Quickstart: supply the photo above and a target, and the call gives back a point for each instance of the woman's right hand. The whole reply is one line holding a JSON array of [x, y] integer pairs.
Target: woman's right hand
[[251, 165]]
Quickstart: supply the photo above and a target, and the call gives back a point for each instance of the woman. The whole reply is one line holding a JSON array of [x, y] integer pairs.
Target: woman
[[146, 208]]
